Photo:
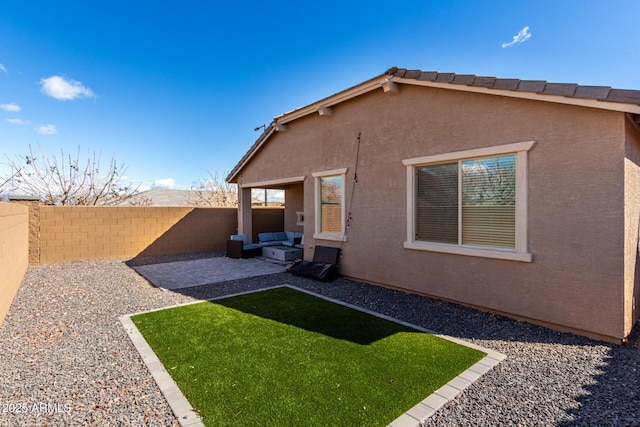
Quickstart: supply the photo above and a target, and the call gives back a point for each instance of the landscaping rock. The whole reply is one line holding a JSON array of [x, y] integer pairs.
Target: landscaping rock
[[65, 359]]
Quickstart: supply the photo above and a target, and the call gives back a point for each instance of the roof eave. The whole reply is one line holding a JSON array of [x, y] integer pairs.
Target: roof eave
[[315, 108], [233, 175], [583, 102], [337, 98], [389, 81]]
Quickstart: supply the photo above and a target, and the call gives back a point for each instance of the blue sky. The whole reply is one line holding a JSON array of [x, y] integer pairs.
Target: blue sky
[[175, 89]]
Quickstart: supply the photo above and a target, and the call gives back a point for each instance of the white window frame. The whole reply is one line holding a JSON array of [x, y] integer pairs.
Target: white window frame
[[340, 237], [520, 253]]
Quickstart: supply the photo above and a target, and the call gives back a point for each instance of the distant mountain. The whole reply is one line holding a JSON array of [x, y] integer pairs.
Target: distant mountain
[[157, 197]]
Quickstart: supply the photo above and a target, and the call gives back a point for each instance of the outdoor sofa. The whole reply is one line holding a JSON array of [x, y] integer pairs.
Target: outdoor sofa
[[292, 239], [238, 246]]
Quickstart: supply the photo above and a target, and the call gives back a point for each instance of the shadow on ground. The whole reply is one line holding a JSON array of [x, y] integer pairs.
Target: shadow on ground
[[549, 377], [292, 307]]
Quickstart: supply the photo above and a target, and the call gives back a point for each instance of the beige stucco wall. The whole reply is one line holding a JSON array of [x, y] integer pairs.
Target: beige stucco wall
[[632, 222], [576, 203], [14, 252], [294, 203]]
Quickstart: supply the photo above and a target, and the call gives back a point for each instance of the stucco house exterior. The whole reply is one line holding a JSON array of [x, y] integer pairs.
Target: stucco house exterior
[[518, 197]]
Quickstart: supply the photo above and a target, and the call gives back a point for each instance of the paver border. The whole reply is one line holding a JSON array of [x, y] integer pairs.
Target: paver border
[[188, 417], [182, 409]]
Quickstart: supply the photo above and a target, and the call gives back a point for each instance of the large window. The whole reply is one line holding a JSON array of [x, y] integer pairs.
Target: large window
[[330, 209], [470, 203]]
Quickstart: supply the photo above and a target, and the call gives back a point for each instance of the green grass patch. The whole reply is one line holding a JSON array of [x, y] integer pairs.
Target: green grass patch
[[281, 357]]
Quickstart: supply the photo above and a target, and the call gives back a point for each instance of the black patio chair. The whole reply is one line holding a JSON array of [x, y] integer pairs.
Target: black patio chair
[[324, 266], [237, 248]]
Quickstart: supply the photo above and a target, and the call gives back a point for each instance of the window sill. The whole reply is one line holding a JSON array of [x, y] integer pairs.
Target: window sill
[[470, 251], [332, 237]]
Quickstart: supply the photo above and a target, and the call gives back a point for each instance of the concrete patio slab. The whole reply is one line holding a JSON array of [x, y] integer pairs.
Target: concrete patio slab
[[185, 274]]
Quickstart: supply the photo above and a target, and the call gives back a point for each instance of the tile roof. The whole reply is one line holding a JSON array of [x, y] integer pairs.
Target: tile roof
[[569, 90], [568, 93]]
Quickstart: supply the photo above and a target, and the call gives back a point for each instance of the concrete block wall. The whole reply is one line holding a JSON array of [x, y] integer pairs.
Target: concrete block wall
[[74, 233], [14, 252], [34, 229], [31, 234], [80, 233]]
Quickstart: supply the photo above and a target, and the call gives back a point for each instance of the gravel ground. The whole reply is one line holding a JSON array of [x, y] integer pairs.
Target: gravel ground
[[65, 359]]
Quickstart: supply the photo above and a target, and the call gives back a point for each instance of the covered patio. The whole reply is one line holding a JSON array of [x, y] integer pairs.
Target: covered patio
[[293, 189]]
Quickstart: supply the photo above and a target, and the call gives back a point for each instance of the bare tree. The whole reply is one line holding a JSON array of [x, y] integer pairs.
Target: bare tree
[[66, 180], [214, 191], [489, 182], [5, 181], [140, 200]]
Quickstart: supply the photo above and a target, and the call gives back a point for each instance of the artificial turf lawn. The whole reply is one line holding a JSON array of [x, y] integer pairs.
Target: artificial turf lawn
[[281, 357]]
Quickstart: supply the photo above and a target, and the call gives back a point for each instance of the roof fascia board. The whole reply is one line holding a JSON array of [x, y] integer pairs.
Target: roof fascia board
[[635, 121], [315, 108], [266, 184], [582, 102], [233, 177], [385, 79], [353, 92]]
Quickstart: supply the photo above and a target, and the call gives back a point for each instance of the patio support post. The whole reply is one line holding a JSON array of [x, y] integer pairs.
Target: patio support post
[[245, 225]]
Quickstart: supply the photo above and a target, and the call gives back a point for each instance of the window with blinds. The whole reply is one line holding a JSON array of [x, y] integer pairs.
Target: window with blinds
[[467, 202], [331, 204], [437, 203]]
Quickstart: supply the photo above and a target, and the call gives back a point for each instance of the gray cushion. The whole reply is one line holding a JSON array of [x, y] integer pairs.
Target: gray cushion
[[281, 235], [266, 237], [241, 237]]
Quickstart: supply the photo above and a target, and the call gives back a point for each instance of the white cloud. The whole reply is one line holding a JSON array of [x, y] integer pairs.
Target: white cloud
[[18, 121], [10, 107], [276, 196], [164, 184], [3, 68], [65, 90], [47, 130], [521, 37]]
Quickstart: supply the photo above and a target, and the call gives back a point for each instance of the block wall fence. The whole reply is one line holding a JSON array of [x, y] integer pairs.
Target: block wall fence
[[14, 249], [74, 233], [31, 234]]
